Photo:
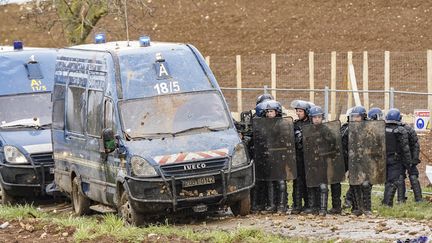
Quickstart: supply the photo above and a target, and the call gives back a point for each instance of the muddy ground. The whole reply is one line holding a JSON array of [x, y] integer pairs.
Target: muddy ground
[[314, 228]]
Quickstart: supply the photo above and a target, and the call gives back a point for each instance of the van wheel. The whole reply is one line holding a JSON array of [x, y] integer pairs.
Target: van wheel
[[5, 198], [128, 214], [80, 203], [241, 207]]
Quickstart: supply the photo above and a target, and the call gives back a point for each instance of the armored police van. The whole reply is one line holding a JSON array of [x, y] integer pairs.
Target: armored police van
[[144, 129], [26, 79]]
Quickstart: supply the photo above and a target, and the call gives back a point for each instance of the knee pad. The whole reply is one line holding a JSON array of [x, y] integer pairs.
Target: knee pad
[[282, 185], [323, 187]]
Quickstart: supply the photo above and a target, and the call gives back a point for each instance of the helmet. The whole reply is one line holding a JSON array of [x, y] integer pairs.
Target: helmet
[[301, 104], [273, 105], [264, 97], [375, 114], [393, 115], [316, 111], [359, 110], [260, 109]]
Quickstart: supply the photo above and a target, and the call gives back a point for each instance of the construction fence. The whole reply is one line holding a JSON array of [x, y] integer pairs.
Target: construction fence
[[333, 80]]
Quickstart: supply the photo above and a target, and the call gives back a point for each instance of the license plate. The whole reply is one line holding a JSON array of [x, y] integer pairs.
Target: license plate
[[51, 170], [198, 181]]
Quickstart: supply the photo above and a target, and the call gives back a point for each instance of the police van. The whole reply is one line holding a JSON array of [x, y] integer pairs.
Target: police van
[[144, 129], [26, 162]]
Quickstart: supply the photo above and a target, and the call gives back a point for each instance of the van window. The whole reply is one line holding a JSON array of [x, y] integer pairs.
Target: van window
[[76, 104], [109, 114], [58, 97], [173, 113], [146, 74], [94, 115]]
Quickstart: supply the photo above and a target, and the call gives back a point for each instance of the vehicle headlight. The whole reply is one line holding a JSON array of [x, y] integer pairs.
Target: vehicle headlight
[[13, 155], [239, 157], [142, 167]]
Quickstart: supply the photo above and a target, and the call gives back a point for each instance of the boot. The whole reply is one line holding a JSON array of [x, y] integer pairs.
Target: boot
[[401, 190], [311, 193], [415, 185], [367, 198], [283, 197], [256, 195], [336, 191], [348, 202], [271, 207], [389, 193], [297, 198], [323, 200], [357, 201]]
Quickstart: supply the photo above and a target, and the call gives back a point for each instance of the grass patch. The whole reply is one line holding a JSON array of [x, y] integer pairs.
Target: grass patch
[[109, 225], [409, 209]]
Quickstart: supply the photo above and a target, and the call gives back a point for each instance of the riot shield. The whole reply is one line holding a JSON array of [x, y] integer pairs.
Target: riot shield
[[366, 152], [323, 156], [274, 148]]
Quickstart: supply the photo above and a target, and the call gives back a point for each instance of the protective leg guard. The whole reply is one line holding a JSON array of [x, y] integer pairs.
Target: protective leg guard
[[323, 199], [283, 197], [415, 185], [389, 193], [349, 198], [357, 201], [401, 190], [297, 197], [311, 209], [336, 191], [257, 197], [367, 198], [271, 206]]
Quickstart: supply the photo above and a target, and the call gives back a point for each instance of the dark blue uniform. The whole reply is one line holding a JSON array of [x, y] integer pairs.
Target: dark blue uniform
[[398, 153]]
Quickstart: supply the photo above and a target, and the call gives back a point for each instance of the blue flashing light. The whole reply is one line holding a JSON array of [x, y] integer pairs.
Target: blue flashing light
[[144, 41], [100, 38], [18, 45]]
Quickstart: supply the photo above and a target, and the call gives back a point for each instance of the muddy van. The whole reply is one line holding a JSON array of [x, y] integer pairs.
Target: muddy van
[[144, 129], [26, 162]]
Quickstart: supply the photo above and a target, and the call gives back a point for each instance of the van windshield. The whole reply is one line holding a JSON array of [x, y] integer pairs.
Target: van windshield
[[25, 110], [173, 114]]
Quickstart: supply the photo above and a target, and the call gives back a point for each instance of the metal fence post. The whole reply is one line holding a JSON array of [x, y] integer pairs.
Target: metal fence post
[[391, 101], [326, 102]]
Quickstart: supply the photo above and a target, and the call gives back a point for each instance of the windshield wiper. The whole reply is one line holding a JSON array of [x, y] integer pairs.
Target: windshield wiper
[[151, 136], [199, 128]]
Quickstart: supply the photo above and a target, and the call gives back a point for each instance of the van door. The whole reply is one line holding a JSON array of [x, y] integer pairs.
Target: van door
[[112, 163], [83, 123]]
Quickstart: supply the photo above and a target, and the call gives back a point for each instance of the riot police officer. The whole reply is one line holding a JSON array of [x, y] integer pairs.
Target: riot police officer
[[323, 161], [398, 152], [277, 190], [411, 168], [299, 185], [259, 192], [359, 194]]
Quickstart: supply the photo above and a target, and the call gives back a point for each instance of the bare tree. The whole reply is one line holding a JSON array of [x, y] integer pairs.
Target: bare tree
[[77, 18]]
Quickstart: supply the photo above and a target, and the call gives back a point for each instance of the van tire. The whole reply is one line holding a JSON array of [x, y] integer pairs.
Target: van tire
[[127, 213], [80, 203], [5, 198], [241, 207]]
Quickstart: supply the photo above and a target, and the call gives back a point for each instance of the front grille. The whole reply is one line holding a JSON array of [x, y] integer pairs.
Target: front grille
[[42, 158], [179, 169]]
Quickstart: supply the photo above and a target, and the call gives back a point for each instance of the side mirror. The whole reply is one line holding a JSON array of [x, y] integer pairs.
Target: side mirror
[[109, 140]]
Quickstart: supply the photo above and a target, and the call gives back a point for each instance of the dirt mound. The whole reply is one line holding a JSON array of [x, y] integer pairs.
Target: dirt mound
[[254, 26]]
